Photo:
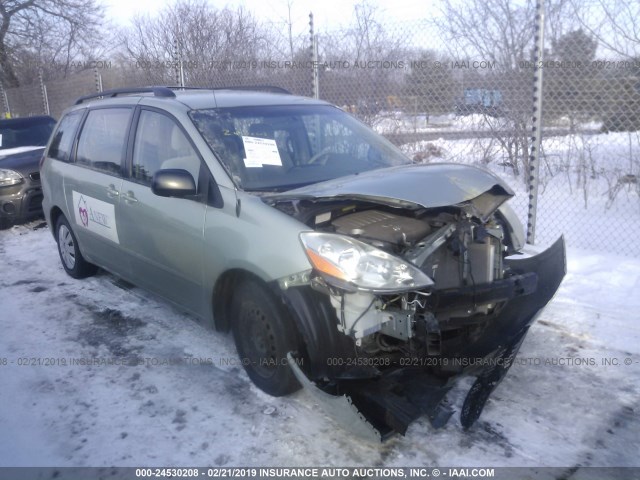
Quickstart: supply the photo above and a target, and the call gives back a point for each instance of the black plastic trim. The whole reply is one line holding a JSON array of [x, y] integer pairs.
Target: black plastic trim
[[162, 92]]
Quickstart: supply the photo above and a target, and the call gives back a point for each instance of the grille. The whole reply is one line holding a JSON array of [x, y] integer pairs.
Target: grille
[[35, 203]]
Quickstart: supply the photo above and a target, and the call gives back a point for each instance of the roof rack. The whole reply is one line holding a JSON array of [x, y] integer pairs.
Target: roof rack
[[257, 88], [157, 92], [254, 88], [167, 92]]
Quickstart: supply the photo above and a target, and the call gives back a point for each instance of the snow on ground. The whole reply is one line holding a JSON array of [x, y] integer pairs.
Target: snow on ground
[[399, 122], [551, 410], [394, 122]]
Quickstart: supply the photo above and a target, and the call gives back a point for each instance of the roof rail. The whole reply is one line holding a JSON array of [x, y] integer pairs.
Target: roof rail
[[157, 92], [255, 88], [167, 92]]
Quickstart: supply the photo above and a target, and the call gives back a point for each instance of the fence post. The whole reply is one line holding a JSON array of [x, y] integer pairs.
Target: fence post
[[43, 92], [5, 102], [98, 79], [315, 88], [536, 127], [177, 61]]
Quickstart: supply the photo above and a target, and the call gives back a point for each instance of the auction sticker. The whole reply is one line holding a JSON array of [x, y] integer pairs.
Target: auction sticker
[[260, 151]]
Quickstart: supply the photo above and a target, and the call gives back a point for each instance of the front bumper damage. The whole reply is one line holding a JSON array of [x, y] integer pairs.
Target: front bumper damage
[[376, 403]]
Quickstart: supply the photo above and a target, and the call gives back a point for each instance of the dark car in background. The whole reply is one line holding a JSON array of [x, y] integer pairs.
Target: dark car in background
[[22, 141]]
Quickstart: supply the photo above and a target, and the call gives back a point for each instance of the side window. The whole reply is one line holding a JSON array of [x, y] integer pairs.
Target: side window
[[160, 144], [102, 139], [62, 142]]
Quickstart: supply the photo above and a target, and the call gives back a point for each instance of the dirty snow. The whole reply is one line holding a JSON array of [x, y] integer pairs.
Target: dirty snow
[[194, 413]]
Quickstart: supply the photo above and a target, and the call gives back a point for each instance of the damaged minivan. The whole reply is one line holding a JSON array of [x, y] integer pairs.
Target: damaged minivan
[[339, 265]]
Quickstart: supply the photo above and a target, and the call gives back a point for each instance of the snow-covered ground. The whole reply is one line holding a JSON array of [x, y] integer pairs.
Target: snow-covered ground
[[387, 122], [394, 122], [182, 402]]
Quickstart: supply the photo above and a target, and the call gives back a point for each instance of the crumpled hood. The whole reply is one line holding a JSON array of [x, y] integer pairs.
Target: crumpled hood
[[412, 186]]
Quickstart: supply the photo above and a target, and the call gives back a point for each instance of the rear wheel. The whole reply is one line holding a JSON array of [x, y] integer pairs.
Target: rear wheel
[[264, 333], [72, 260]]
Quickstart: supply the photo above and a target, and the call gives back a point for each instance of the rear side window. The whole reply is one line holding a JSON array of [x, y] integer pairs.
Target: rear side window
[[102, 140], [62, 142]]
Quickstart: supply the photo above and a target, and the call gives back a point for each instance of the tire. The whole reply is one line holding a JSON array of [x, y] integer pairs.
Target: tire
[[264, 333], [72, 260]]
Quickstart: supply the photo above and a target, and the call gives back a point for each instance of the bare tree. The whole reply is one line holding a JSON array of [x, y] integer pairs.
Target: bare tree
[[500, 32], [374, 54], [45, 30], [496, 30], [214, 46], [614, 23], [288, 34]]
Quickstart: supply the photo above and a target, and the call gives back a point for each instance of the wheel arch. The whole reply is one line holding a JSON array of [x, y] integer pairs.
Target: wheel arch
[[54, 215], [317, 323], [223, 292], [311, 312]]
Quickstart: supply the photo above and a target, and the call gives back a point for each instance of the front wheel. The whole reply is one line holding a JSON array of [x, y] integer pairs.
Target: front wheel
[[264, 333], [72, 260]]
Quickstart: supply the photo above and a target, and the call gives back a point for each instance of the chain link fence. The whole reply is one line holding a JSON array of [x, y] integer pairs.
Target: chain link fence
[[444, 104]]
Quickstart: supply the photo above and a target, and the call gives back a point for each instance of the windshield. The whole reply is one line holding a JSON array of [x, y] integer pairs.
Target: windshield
[[277, 148], [25, 132]]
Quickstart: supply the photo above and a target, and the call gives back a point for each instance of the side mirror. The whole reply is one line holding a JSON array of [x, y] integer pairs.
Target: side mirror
[[173, 183]]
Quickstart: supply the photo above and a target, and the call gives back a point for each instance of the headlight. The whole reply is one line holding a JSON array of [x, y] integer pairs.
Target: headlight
[[9, 177], [365, 267]]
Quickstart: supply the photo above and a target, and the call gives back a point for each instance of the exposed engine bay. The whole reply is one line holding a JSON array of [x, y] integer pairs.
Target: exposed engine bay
[[402, 302], [454, 251]]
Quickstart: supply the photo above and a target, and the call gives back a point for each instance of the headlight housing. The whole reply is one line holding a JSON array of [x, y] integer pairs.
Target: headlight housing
[[356, 263], [9, 177]]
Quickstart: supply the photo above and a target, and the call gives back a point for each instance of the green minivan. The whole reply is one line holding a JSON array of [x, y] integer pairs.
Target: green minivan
[[339, 265]]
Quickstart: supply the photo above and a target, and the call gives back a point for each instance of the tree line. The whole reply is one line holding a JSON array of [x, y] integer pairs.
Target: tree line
[[194, 42]]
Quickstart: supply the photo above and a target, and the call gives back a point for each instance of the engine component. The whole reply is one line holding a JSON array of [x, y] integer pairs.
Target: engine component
[[360, 314], [379, 226], [430, 244]]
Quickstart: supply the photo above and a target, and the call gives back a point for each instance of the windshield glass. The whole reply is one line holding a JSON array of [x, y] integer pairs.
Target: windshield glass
[[277, 148], [25, 132]]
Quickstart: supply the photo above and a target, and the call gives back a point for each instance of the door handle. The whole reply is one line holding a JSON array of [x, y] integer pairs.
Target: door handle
[[129, 197], [112, 192]]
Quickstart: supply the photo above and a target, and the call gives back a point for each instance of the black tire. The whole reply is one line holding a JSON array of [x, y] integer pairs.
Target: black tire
[[264, 333], [72, 260]]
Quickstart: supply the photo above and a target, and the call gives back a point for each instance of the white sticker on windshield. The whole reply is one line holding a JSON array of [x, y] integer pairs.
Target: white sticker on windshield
[[95, 215], [260, 151]]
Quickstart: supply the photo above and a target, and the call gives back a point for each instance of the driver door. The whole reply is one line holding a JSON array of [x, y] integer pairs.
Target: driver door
[[163, 235]]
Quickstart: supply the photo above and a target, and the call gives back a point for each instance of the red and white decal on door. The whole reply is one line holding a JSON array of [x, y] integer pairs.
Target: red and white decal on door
[[95, 215]]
